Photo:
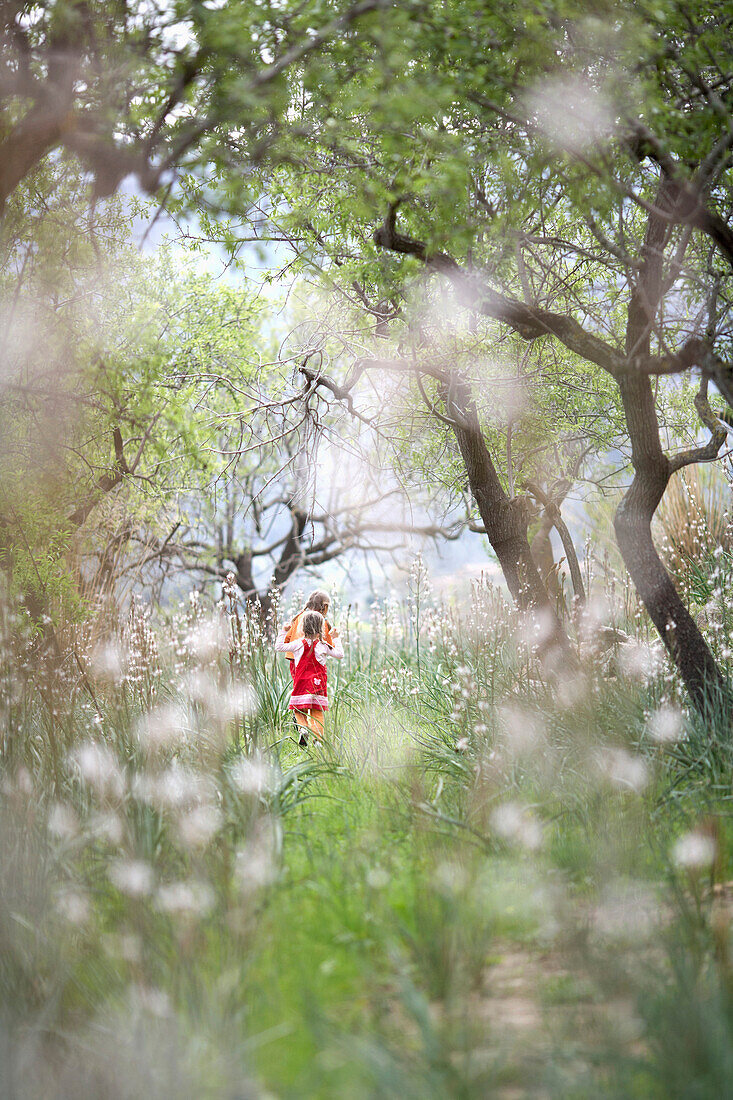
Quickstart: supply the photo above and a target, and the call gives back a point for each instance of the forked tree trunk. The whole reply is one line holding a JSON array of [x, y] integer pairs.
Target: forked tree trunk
[[544, 557], [677, 629], [504, 518]]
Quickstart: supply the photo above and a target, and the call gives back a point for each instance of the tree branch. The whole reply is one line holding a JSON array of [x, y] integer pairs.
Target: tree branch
[[529, 321], [555, 517], [106, 483], [718, 434]]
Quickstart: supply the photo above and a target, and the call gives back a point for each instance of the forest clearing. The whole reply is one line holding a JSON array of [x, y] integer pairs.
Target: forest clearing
[[423, 309]]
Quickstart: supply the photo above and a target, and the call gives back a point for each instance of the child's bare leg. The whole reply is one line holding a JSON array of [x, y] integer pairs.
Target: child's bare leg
[[315, 721], [308, 722], [300, 717]]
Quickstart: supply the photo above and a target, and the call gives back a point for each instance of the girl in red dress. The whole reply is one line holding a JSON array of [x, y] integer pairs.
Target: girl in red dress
[[310, 691]]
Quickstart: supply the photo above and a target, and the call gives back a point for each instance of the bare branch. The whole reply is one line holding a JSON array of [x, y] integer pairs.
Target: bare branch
[[718, 434]]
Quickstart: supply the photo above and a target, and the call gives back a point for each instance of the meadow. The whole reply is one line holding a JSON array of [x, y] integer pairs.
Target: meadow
[[492, 879], [290, 289]]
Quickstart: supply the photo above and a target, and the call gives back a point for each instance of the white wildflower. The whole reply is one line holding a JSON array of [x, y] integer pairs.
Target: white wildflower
[[74, 906], [239, 701], [639, 662], [450, 878], [23, 781], [570, 112], [165, 727], [626, 910], [106, 827], [99, 769], [517, 825], [206, 640], [203, 690], [185, 898], [694, 851], [593, 616], [253, 775], [173, 789], [572, 688], [197, 827], [377, 878], [109, 661], [538, 629], [623, 770], [133, 877], [665, 725], [522, 731], [22, 784], [127, 946], [154, 1001], [63, 821], [256, 862]]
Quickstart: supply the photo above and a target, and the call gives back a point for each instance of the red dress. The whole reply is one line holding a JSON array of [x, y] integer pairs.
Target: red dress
[[309, 680]]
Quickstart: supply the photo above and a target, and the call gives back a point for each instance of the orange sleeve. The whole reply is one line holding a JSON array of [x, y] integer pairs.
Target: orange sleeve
[[293, 632]]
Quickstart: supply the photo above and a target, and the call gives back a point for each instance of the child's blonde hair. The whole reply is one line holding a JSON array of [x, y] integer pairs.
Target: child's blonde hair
[[318, 600], [313, 624]]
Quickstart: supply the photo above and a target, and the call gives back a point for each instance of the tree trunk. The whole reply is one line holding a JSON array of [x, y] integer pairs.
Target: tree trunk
[[504, 518], [544, 557], [677, 629], [542, 546], [632, 522]]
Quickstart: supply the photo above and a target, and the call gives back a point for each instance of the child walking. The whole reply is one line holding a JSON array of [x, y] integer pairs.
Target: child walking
[[309, 698], [317, 601]]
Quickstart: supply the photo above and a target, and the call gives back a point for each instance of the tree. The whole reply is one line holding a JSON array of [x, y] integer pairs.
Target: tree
[[441, 377], [568, 176], [570, 179], [264, 525], [106, 353], [153, 90]]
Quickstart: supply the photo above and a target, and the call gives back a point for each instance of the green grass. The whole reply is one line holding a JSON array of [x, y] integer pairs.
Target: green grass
[[356, 919]]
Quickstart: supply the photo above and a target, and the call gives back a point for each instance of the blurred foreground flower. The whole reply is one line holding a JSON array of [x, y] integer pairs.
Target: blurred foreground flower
[[253, 775], [173, 789], [206, 640], [450, 878], [517, 825], [109, 662], [147, 999], [165, 727], [665, 725], [694, 851], [107, 827], [239, 701], [570, 112], [377, 878], [74, 906], [627, 910], [133, 877], [191, 898], [623, 770], [522, 731], [639, 662], [257, 863], [199, 826], [99, 769], [63, 821]]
